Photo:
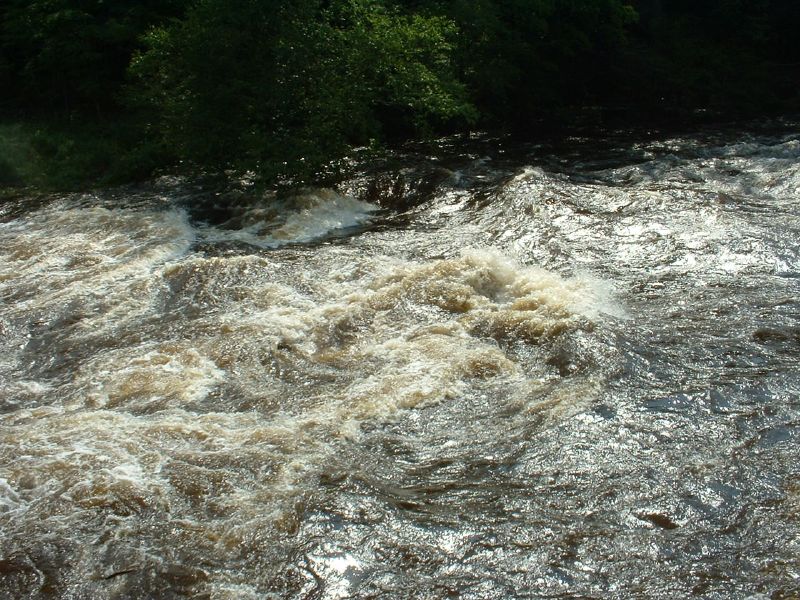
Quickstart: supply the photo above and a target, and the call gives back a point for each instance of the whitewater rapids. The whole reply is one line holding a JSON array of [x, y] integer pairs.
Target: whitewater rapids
[[553, 372]]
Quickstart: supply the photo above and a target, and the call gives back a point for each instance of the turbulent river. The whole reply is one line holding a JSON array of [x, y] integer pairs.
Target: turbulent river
[[489, 372]]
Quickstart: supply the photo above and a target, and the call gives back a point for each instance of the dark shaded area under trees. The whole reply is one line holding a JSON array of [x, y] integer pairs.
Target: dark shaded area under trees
[[109, 90]]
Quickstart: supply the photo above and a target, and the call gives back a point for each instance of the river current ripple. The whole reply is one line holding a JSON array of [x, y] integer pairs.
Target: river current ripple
[[497, 371]]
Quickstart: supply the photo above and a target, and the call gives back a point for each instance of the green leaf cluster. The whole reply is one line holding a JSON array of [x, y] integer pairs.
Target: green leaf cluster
[[115, 88], [281, 88], [71, 55]]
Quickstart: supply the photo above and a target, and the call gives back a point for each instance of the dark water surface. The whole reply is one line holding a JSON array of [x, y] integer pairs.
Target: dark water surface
[[554, 372]]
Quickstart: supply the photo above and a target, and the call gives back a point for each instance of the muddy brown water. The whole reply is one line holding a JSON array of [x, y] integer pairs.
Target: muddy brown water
[[559, 372]]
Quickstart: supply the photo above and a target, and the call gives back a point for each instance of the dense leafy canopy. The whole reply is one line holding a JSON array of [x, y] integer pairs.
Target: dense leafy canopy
[[73, 54], [283, 87], [265, 85]]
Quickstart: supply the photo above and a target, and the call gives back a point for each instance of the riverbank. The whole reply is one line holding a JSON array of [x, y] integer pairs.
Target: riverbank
[[41, 155], [63, 154], [107, 94]]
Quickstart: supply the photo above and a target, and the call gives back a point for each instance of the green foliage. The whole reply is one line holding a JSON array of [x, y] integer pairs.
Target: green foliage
[[529, 58], [63, 65], [721, 55], [112, 89], [284, 87], [16, 156], [66, 155], [72, 55]]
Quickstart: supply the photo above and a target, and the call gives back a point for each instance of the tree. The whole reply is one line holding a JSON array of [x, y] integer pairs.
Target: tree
[[525, 59], [68, 55], [283, 87]]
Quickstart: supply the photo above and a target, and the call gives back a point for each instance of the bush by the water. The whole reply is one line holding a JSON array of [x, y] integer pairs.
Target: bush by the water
[[114, 89]]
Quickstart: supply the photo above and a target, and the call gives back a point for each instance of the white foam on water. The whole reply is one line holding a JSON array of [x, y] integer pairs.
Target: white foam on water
[[59, 254], [9, 499], [211, 392], [323, 212], [148, 378], [307, 217], [87, 271], [340, 572], [15, 393], [398, 335], [391, 335]]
